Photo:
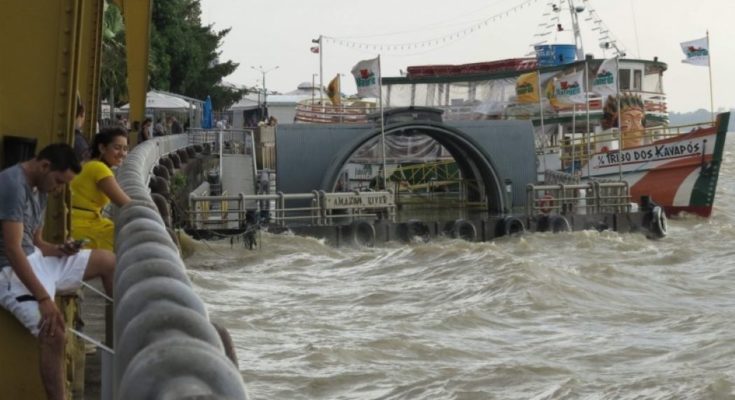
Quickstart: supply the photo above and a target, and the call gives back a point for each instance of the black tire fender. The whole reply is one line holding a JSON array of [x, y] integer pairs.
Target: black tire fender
[[510, 226], [465, 230], [658, 225], [363, 233], [559, 223]]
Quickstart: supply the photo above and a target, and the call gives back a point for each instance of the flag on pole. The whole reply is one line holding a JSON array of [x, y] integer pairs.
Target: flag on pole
[[367, 77], [605, 81], [527, 88], [696, 51], [314, 49], [569, 89], [333, 91]]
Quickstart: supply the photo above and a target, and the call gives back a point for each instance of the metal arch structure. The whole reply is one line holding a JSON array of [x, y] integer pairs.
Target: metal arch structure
[[311, 157], [470, 158]]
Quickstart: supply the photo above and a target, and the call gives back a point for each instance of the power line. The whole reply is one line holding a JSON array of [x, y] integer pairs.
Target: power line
[[427, 44]]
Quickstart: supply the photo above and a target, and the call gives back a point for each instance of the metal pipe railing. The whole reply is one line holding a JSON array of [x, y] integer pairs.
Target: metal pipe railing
[[586, 198], [320, 212]]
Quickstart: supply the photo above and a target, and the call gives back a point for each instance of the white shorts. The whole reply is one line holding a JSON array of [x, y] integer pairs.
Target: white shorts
[[57, 275]]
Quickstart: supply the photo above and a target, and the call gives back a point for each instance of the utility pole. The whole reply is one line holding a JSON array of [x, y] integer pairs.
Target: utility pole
[[265, 91], [321, 72], [313, 83]]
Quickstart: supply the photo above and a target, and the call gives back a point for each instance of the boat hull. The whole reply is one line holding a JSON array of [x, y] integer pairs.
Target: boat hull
[[680, 173]]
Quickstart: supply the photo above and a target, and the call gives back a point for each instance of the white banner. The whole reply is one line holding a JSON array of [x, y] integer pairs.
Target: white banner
[[343, 201], [569, 89], [605, 81], [367, 77], [696, 52]]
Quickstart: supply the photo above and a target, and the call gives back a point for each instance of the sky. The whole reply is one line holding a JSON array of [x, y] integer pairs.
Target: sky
[[266, 34]]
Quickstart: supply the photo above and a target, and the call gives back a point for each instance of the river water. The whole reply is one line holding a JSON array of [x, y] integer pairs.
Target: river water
[[581, 315]]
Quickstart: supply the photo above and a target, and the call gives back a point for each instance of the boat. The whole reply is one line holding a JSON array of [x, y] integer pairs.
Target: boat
[[595, 118]]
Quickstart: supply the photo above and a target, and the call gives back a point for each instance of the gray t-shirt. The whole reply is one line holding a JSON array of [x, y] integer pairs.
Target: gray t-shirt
[[20, 203]]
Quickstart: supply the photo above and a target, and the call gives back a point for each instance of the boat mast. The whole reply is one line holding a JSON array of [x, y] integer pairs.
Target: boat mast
[[573, 11]]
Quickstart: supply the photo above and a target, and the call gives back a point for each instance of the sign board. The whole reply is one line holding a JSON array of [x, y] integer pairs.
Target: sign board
[[343, 201]]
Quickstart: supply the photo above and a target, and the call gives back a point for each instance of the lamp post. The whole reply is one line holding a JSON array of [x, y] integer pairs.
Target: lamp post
[[313, 82], [265, 91], [321, 73]]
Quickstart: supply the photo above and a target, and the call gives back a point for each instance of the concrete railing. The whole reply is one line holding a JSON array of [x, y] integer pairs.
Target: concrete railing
[[165, 345]]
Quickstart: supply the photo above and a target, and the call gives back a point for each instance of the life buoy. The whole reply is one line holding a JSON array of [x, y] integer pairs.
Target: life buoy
[[658, 224], [545, 203], [363, 233]]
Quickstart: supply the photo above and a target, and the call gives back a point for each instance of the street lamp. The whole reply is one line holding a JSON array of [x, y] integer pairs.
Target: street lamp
[[313, 83], [265, 91], [321, 72]]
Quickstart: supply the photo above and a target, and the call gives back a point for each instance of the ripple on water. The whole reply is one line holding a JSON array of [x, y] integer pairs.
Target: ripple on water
[[579, 315]]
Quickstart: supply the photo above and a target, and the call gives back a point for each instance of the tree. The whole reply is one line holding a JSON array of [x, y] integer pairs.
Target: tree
[[113, 54], [183, 57], [184, 54]]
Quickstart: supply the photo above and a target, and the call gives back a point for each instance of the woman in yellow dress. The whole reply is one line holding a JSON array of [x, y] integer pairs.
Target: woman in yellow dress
[[94, 188]]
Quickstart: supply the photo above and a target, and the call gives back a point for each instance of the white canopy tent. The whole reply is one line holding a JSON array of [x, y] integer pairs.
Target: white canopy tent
[[159, 104], [155, 100]]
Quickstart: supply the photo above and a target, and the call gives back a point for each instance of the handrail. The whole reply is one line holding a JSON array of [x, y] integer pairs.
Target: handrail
[[162, 332], [324, 208], [581, 198], [577, 143]]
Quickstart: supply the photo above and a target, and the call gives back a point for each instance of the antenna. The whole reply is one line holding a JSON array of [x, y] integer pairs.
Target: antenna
[[573, 11]]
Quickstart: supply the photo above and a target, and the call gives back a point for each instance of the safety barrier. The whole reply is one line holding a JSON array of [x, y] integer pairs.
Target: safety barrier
[[233, 141], [582, 198], [580, 146], [219, 212], [315, 113], [165, 345]]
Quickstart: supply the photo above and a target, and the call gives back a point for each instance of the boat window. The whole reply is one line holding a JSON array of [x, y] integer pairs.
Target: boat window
[[624, 79], [637, 78]]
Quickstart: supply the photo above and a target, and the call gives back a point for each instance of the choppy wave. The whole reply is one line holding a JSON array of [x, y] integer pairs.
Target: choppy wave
[[584, 315]]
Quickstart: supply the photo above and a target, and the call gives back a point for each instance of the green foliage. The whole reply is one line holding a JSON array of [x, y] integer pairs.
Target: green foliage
[[183, 54], [113, 53], [178, 183]]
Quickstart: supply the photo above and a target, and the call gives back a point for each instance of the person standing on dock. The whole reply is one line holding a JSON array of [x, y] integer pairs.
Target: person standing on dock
[[81, 145], [264, 188], [146, 130], [159, 129], [32, 270], [174, 126]]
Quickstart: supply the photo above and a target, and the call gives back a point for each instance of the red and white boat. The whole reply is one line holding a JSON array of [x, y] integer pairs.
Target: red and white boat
[[679, 171]]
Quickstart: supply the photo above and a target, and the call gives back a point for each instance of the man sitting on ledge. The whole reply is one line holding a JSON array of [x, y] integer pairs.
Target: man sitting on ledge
[[32, 270]]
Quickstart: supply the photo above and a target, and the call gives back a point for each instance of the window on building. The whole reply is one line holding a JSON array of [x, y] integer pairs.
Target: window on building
[[624, 79], [637, 79]]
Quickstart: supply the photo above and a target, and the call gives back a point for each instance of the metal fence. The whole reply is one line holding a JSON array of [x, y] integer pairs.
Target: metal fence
[[234, 211], [580, 198]]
